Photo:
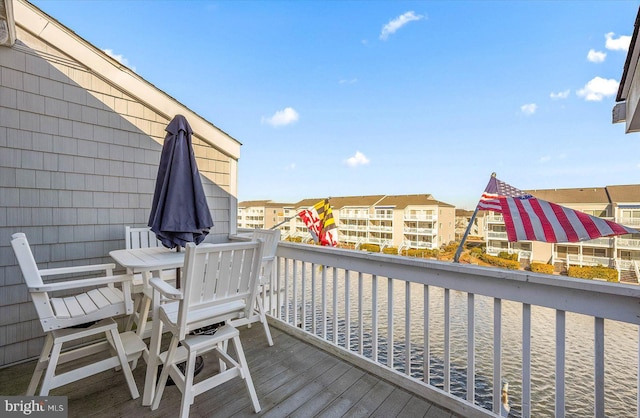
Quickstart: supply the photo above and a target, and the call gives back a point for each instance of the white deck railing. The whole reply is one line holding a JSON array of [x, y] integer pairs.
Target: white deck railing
[[453, 332]]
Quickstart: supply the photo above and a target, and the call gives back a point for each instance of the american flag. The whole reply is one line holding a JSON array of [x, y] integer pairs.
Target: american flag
[[530, 219], [319, 220]]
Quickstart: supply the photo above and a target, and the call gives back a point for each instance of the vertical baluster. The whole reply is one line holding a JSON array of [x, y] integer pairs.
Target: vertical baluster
[[274, 290], [447, 343], [295, 293], [374, 317], [471, 349], [638, 373], [497, 354], [526, 360], [335, 306], [360, 315], [426, 355], [599, 366], [286, 291], [303, 288], [313, 299], [347, 311], [390, 341], [560, 362], [324, 303], [407, 328]]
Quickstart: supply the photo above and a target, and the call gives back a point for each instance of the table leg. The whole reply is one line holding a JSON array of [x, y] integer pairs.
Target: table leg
[[154, 351]]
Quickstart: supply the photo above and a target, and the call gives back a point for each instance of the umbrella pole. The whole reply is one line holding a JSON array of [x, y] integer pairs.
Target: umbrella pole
[[178, 249]]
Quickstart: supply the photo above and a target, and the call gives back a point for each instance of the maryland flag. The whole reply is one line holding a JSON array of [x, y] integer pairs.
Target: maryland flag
[[322, 226]]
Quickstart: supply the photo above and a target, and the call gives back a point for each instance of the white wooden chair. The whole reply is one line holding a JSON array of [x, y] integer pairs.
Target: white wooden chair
[[270, 237], [142, 237], [59, 314], [220, 283]]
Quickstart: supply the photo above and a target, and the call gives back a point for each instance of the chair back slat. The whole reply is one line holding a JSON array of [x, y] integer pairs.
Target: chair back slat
[[215, 275], [140, 238]]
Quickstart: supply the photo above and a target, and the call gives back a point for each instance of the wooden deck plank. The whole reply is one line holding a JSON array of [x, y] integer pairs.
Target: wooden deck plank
[[371, 400], [292, 378], [415, 408], [308, 392]]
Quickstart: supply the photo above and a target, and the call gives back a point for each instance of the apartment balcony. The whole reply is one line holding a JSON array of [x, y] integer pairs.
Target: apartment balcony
[[586, 260], [354, 215], [494, 219], [378, 240], [626, 243], [628, 221], [420, 217], [598, 242], [382, 217], [497, 235], [421, 231], [421, 245], [380, 228]]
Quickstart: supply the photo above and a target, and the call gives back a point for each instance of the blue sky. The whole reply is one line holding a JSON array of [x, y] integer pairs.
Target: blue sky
[[346, 98]]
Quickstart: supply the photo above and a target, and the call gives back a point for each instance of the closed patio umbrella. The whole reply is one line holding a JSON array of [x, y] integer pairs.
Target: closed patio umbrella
[[179, 213]]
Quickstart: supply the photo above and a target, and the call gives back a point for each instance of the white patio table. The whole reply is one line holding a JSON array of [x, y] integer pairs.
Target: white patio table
[[150, 261]]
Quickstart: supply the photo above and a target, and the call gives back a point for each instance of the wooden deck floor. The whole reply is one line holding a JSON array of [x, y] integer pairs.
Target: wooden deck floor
[[292, 378]]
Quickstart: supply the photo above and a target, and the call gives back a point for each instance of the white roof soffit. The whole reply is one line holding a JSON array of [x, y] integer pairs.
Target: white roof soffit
[[33, 20], [7, 23]]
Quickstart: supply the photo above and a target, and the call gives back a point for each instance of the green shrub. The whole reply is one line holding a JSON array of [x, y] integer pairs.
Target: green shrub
[[373, 248], [499, 262], [590, 272], [507, 256], [390, 250], [542, 268], [423, 253], [476, 251]]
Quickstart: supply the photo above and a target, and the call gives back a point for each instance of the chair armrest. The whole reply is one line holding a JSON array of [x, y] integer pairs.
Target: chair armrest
[[76, 284], [108, 268], [165, 289]]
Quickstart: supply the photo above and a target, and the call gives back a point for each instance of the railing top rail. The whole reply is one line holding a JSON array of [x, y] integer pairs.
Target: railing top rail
[[596, 298]]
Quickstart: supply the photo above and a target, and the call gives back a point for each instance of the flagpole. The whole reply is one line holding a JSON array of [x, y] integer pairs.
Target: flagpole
[[456, 258], [286, 220]]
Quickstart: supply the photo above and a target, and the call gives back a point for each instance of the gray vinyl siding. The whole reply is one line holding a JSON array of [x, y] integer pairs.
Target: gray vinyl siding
[[78, 162]]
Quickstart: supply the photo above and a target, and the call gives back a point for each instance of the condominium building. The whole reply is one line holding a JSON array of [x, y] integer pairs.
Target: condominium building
[[401, 221], [619, 204], [261, 214]]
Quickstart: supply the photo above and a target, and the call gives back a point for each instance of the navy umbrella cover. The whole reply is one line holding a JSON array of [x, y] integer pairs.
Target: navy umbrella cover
[[179, 213]]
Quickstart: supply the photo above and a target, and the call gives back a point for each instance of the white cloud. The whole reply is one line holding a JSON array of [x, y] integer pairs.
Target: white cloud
[[395, 24], [545, 159], [596, 56], [118, 57], [352, 81], [619, 44], [560, 95], [529, 109], [289, 167], [282, 117], [598, 88], [358, 159]]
